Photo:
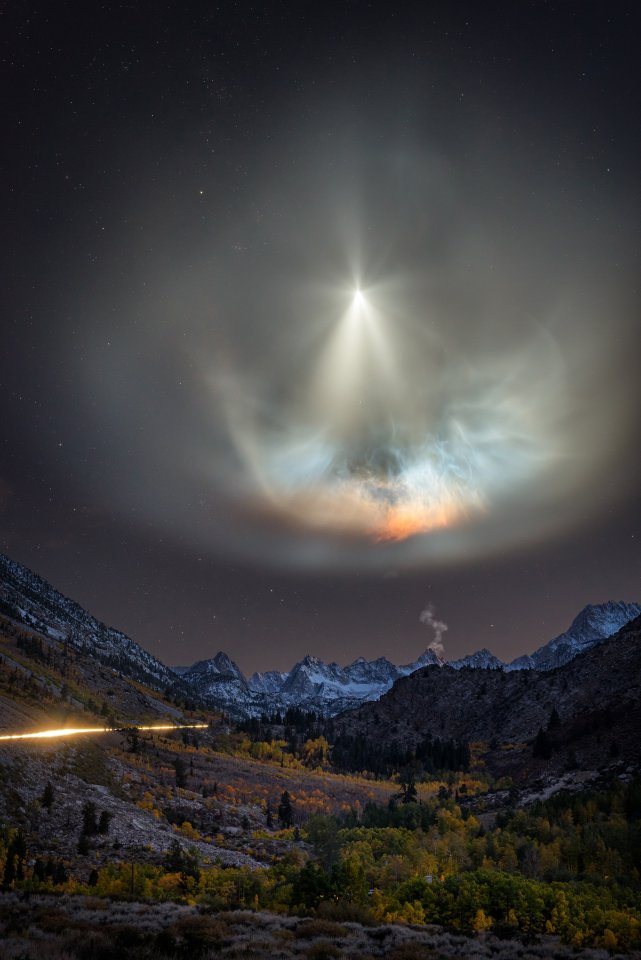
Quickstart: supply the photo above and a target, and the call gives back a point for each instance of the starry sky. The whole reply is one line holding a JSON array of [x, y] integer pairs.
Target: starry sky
[[319, 316]]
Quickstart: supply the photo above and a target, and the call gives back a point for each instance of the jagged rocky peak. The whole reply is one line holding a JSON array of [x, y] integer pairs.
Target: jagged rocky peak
[[483, 659], [380, 670], [526, 662], [308, 676], [219, 666], [429, 658], [310, 662], [602, 619], [226, 667]]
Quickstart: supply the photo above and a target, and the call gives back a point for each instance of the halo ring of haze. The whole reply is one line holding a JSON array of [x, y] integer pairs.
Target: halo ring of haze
[[364, 367]]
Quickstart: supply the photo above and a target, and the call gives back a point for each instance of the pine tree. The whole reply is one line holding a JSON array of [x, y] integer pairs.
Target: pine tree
[[408, 792], [542, 746], [285, 811], [89, 821], [555, 720], [60, 874], [104, 821], [47, 796], [181, 772]]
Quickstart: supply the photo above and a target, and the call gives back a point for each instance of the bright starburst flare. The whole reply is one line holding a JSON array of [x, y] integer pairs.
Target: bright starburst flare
[[375, 447], [359, 299]]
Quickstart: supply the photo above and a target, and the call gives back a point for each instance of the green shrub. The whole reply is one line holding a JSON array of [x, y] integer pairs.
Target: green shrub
[[345, 912], [323, 950], [319, 927]]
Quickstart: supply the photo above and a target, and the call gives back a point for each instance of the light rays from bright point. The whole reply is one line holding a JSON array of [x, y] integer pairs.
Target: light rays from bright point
[[397, 373], [374, 451]]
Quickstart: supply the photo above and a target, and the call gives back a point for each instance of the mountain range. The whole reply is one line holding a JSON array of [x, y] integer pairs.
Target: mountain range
[[311, 684], [330, 689], [584, 714]]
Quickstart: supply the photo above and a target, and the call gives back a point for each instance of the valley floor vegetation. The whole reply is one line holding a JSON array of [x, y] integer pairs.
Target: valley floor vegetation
[[145, 845], [567, 867], [68, 927]]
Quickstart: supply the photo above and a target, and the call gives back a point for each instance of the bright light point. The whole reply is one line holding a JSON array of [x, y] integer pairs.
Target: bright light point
[[359, 299]]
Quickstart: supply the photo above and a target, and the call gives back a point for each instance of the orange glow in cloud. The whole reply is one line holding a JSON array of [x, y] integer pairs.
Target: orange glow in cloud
[[408, 520], [381, 513]]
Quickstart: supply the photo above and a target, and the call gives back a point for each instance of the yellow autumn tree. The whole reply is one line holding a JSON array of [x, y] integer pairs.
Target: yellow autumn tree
[[481, 921], [316, 753]]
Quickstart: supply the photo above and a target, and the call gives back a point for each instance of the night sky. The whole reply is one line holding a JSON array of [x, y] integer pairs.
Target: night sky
[[317, 316]]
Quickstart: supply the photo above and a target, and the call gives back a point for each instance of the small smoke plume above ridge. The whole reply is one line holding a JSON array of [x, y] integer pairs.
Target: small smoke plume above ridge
[[438, 627]]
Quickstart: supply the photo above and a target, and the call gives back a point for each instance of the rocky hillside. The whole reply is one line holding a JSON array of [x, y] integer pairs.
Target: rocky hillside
[[588, 709], [27, 599]]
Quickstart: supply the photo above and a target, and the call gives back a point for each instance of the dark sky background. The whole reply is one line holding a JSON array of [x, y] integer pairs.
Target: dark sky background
[[202, 438]]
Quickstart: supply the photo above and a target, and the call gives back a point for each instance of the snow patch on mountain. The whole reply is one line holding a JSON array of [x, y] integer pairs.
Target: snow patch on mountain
[[326, 688], [269, 682]]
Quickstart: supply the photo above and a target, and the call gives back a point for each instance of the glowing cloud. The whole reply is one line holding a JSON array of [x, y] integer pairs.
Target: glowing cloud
[[381, 444], [440, 407]]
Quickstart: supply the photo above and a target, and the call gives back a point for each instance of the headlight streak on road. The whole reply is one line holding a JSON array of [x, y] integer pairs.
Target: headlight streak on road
[[75, 731]]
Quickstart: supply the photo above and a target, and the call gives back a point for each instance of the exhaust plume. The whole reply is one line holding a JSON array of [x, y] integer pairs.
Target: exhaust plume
[[437, 626]]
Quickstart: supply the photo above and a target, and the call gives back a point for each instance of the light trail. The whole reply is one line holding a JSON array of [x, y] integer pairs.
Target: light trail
[[75, 731]]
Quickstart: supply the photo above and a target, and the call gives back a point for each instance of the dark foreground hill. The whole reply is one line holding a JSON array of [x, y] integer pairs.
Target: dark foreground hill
[[585, 713]]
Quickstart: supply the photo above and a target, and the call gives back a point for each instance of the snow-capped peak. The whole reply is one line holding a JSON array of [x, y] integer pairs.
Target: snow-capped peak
[[427, 659], [220, 665], [592, 625], [483, 659]]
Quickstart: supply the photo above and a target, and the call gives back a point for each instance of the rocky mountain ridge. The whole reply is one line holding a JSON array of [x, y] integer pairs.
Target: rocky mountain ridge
[[311, 684], [29, 599], [583, 711], [329, 689], [325, 688], [594, 623]]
